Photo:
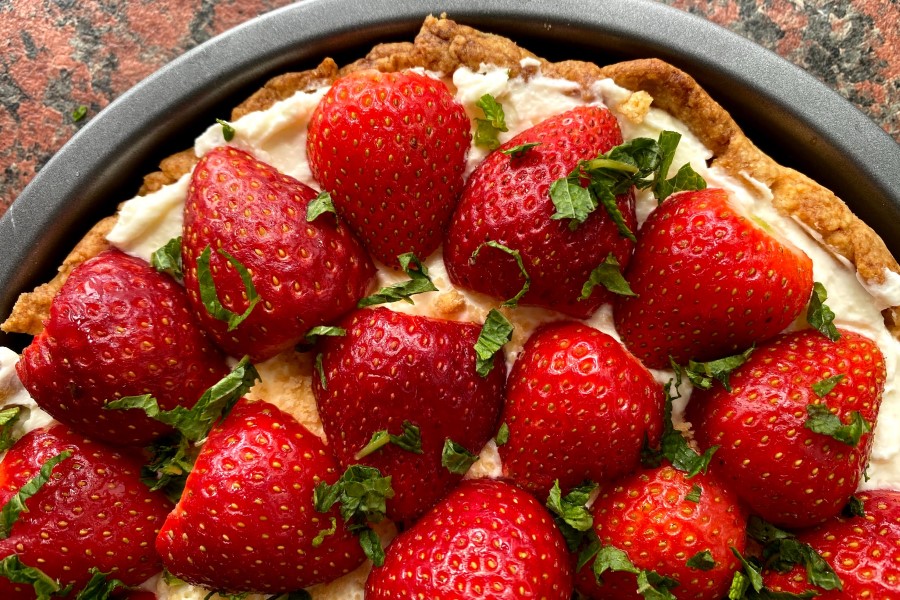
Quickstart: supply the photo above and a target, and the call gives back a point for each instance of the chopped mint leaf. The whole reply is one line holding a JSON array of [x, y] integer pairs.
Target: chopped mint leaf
[[320, 369], [702, 560], [702, 374], [210, 298], [313, 335], [15, 506], [456, 458], [588, 550], [9, 416], [609, 275], [321, 204], [362, 493], [520, 150], [571, 201], [410, 440], [487, 130], [685, 179], [610, 558], [227, 130], [99, 587], [752, 572], [570, 512], [821, 420], [854, 508], [694, 494], [740, 583], [653, 586], [195, 423], [514, 301], [79, 112], [172, 460], [502, 434], [496, 332], [418, 283], [819, 316], [320, 538], [781, 551], [371, 546], [167, 259], [674, 446], [823, 388], [14, 570]]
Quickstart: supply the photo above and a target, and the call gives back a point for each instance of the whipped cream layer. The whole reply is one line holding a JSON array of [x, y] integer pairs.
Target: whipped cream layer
[[278, 136]]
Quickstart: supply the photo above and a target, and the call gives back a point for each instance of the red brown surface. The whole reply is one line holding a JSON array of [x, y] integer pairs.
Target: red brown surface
[[60, 54]]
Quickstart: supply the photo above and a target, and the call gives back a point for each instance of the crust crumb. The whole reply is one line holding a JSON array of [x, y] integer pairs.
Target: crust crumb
[[636, 107], [450, 303]]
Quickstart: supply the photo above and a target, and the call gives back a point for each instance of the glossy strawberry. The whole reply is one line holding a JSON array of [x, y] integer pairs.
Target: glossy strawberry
[[246, 520], [391, 149], [306, 273], [118, 328], [661, 521], [786, 472], [507, 200], [390, 368], [578, 406], [94, 512], [709, 283], [487, 539], [863, 551]]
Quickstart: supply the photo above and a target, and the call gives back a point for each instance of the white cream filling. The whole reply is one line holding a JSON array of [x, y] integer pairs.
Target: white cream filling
[[278, 136]]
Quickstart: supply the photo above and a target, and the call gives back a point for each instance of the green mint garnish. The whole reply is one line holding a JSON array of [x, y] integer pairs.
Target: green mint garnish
[[209, 297], [320, 205], [520, 150], [514, 301], [821, 420], [227, 130], [495, 333], [695, 494], [650, 584], [167, 259], [312, 336], [824, 387], [570, 513], [854, 508], [502, 435], [609, 275], [819, 316], [419, 282], [99, 587], [487, 130], [320, 369], [172, 460], [702, 374], [702, 560], [14, 570], [456, 458], [323, 533], [781, 551], [15, 506], [9, 416], [410, 440]]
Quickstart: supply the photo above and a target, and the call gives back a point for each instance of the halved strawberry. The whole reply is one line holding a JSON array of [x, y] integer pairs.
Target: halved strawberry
[[392, 372], [391, 149], [708, 283], [507, 200], [93, 512], [306, 272], [246, 520], [118, 328], [578, 406], [794, 430], [864, 552], [486, 539], [673, 532]]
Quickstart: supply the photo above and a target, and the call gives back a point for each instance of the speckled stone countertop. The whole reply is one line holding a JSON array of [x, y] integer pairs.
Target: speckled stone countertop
[[60, 55]]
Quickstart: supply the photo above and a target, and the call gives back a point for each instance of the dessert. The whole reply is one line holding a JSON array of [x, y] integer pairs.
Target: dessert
[[530, 91]]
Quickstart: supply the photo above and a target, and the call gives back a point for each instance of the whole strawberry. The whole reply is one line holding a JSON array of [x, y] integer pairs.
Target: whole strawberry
[[393, 372], [244, 219], [246, 520], [578, 406], [118, 328], [487, 539], [795, 430], [709, 283], [507, 201], [675, 532], [93, 512], [864, 552], [391, 149]]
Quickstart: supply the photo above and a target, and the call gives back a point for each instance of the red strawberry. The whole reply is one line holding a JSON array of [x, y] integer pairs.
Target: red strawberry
[[118, 328], [786, 472], [863, 551], [93, 512], [657, 520], [307, 273], [391, 368], [708, 282], [486, 539], [507, 200], [246, 520], [391, 149], [578, 406]]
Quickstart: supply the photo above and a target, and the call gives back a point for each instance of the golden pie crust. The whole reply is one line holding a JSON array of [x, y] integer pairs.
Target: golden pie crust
[[443, 45]]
